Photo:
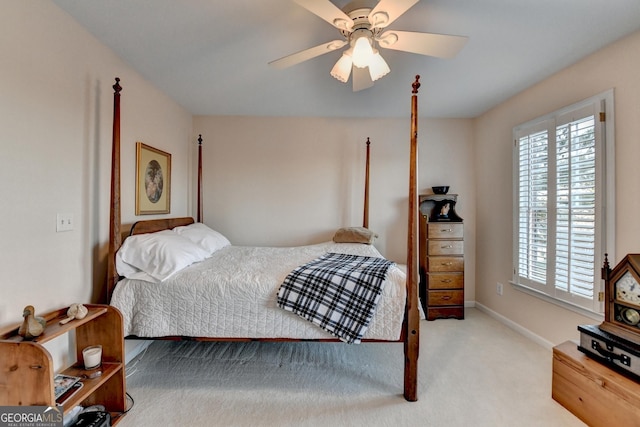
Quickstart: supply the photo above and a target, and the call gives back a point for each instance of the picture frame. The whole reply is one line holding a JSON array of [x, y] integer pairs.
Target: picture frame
[[153, 180]]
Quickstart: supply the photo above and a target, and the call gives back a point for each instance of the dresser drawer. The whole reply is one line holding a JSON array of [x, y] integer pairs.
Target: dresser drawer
[[445, 297], [445, 263], [445, 247], [445, 230], [445, 312], [446, 280]]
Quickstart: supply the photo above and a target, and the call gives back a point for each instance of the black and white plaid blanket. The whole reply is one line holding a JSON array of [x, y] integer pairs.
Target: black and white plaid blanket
[[338, 292]]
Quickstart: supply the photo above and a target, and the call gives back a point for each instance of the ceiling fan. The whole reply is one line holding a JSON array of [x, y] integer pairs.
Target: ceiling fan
[[363, 28]]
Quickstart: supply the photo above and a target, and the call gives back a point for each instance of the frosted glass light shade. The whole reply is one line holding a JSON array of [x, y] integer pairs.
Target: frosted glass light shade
[[362, 52], [342, 69], [378, 67]]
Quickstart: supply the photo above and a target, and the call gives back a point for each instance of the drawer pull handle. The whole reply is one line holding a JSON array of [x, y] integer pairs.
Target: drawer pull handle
[[446, 230], [446, 280], [446, 297], [446, 246], [446, 263]]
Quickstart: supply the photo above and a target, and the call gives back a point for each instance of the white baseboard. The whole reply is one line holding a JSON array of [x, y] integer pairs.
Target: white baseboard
[[515, 326]]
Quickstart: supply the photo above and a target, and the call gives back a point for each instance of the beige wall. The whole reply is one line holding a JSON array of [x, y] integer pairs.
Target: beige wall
[[56, 108], [613, 67], [292, 181]]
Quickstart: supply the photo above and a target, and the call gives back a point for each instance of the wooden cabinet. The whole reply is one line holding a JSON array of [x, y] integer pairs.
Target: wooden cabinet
[[26, 367], [592, 391], [441, 258]]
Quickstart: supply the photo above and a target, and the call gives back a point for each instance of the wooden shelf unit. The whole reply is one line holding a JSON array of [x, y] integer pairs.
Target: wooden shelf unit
[[26, 367]]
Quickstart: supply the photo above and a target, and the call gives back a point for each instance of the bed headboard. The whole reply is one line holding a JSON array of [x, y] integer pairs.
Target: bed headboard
[[153, 225]]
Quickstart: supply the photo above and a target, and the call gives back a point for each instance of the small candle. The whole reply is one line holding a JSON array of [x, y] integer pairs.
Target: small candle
[[92, 356]]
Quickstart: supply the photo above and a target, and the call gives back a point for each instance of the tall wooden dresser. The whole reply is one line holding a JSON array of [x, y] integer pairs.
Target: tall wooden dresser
[[441, 257]]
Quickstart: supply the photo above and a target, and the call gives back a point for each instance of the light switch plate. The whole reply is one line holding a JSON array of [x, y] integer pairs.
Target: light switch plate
[[64, 222]]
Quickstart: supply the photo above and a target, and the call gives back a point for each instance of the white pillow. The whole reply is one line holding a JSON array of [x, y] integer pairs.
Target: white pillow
[[203, 236], [161, 254], [130, 272]]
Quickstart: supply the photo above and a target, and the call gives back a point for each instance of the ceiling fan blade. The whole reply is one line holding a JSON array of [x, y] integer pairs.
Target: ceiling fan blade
[[306, 54], [438, 45], [329, 12], [387, 11], [361, 78]]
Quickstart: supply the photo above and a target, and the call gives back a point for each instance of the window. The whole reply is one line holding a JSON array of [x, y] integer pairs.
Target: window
[[564, 201]]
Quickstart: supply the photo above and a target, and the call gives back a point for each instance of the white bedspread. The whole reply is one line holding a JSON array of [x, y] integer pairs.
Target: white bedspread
[[233, 294]]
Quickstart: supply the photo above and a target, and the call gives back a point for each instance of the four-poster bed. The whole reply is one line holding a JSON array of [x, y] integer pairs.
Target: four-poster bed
[[404, 328]]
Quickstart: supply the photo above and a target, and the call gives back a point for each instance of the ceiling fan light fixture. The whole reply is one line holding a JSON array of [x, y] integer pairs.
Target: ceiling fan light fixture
[[362, 49], [378, 67], [342, 70]]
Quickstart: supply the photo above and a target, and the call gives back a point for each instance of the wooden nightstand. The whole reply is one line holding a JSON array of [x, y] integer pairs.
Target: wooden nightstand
[[441, 257]]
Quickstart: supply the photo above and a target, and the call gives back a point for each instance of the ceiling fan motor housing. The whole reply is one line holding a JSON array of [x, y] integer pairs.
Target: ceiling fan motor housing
[[361, 26]]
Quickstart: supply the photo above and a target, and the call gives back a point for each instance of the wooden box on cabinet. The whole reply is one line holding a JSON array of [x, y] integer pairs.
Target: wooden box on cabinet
[[26, 367], [441, 258], [596, 394]]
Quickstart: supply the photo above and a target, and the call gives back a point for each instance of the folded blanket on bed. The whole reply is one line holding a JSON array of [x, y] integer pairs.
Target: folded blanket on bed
[[338, 292]]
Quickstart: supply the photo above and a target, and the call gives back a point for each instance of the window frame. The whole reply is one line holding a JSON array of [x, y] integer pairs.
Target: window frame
[[600, 104]]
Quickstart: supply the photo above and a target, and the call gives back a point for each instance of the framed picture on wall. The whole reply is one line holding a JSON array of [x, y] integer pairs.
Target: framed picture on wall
[[153, 180]]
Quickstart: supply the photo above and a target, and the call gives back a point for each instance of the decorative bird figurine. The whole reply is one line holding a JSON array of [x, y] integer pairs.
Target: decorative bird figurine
[[33, 325]]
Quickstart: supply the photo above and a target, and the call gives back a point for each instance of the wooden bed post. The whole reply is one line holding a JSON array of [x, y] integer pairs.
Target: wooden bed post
[[115, 235], [412, 321], [365, 220], [199, 213]]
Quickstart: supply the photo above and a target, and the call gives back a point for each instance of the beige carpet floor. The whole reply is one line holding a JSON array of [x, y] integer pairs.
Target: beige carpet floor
[[472, 372]]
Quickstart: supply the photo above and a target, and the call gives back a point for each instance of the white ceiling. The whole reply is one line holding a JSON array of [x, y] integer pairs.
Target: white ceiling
[[211, 55]]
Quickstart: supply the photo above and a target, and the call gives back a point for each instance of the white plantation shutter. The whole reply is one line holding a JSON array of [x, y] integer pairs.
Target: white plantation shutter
[[532, 223], [560, 175], [576, 207]]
